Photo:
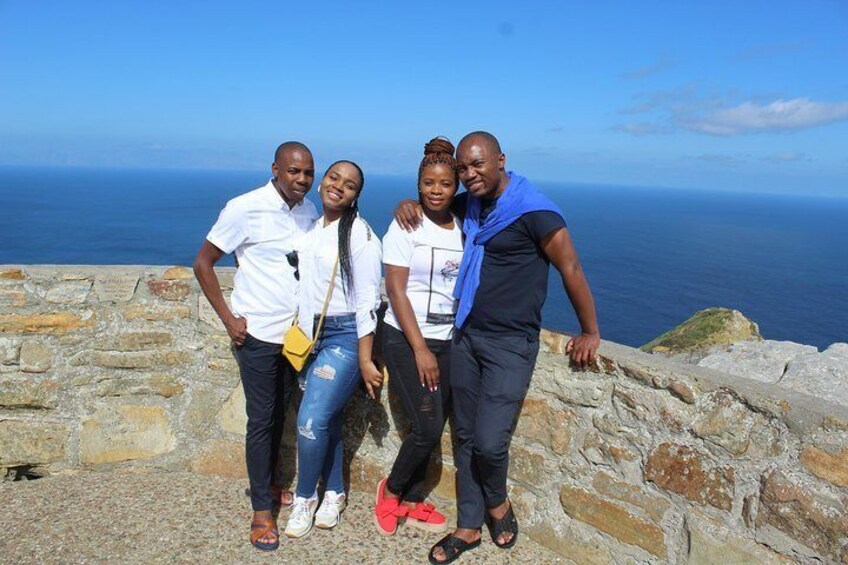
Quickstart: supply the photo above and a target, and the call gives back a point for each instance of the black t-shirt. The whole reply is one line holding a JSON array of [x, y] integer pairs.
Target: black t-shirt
[[514, 276]]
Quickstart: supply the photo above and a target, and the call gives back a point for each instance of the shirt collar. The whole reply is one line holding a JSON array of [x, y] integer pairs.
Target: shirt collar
[[275, 199]]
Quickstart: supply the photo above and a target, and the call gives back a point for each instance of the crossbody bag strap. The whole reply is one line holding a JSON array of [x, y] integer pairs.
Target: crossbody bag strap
[[327, 299]]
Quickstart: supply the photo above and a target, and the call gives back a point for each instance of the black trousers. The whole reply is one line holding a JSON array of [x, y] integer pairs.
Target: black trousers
[[490, 374], [269, 383], [426, 410]]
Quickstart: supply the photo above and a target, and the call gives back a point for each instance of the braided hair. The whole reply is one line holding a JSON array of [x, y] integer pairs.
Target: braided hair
[[345, 228], [438, 150]]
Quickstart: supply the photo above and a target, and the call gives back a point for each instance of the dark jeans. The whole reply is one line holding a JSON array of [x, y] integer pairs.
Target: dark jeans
[[490, 374], [426, 410], [268, 381]]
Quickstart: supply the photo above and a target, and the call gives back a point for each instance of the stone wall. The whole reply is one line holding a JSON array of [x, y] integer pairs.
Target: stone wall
[[641, 460]]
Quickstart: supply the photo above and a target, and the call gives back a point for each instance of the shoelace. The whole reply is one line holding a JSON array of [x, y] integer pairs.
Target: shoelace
[[301, 507]]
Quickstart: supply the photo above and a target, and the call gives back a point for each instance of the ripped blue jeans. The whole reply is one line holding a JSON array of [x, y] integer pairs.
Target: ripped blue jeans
[[331, 376]]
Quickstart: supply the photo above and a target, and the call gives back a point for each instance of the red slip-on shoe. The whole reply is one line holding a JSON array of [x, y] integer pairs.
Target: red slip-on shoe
[[387, 511], [425, 517]]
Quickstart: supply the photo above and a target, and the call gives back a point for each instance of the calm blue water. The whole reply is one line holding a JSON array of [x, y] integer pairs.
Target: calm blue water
[[653, 257]]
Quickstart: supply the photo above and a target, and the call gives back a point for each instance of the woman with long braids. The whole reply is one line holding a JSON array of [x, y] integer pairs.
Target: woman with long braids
[[340, 252], [421, 268]]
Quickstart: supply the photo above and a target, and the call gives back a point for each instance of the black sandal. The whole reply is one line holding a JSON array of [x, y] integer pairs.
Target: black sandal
[[453, 548], [506, 525]]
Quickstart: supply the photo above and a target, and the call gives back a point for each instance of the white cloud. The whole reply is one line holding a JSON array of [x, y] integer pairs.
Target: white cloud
[[683, 110], [780, 115]]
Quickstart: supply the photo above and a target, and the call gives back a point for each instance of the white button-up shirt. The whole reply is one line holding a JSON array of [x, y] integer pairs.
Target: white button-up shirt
[[317, 257], [261, 229]]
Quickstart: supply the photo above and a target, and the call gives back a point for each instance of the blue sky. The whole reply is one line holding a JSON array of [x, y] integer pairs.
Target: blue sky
[[719, 95]]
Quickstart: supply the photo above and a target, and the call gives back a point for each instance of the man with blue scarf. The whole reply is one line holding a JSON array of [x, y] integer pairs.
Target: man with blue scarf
[[512, 235]]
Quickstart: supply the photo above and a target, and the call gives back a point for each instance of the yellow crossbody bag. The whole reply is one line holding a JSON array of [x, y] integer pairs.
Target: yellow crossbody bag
[[296, 344]]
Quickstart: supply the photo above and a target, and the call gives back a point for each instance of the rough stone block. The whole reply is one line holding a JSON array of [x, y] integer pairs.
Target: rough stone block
[[12, 274], [69, 292], [528, 466], [131, 359], [225, 278], [583, 393], [228, 366], [654, 506], [169, 290], [365, 473], [728, 423], [569, 543], [17, 392], [137, 341], [178, 274], [159, 384], [803, 512], [824, 374], [10, 348], [555, 342], [31, 443], [115, 288], [35, 357], [612, 519], [233, 414], [711, 543], [199, 416], [541, 423], [12, 298], [125, 432], [831, 467], [691, 473], [682, 391], [221, 458], [441, 478], [208, 315], [156, 312], [763, 361], [55, 323]]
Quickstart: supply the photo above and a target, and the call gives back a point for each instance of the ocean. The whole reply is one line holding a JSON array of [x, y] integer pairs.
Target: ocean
[[653, 257]]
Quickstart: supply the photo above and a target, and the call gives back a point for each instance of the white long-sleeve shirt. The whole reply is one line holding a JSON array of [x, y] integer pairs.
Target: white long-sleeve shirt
[[317, 257]]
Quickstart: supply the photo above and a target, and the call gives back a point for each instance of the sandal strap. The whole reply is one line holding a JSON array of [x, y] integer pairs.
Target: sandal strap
[[504, 525], [261, 527], [452, 546]]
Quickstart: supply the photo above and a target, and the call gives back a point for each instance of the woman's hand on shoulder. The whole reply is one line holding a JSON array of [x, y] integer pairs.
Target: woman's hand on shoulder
[[372, 376]]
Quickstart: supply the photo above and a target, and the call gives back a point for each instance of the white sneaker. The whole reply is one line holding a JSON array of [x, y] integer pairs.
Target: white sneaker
[[300, 521], [331, 507]]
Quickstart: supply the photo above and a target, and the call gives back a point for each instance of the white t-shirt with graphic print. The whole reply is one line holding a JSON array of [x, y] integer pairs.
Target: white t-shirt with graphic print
[[433, 255]]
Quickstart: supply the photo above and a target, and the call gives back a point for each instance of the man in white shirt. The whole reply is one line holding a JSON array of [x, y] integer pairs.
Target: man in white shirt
[[262, 228]]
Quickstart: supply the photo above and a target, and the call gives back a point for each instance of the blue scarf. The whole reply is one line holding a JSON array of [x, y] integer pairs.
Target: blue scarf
[[519, 198]]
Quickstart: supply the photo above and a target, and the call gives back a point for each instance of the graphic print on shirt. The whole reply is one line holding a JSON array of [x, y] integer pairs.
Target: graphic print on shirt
[[444, 263]]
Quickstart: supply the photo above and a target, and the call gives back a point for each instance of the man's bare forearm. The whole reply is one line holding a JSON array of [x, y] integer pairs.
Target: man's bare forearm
[[577, 288], [204, 271]]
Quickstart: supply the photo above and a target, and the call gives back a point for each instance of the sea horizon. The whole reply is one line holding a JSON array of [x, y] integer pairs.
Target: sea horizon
[[653, 255]]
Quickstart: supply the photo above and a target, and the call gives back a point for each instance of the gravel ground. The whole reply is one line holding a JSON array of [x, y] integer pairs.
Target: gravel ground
[[145, 517]]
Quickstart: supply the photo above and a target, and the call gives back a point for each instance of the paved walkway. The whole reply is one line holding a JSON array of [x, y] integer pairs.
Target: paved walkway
[[144, 517]]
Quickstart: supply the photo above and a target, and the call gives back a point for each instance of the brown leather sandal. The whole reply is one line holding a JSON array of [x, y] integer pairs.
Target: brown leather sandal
[[259, 528]]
